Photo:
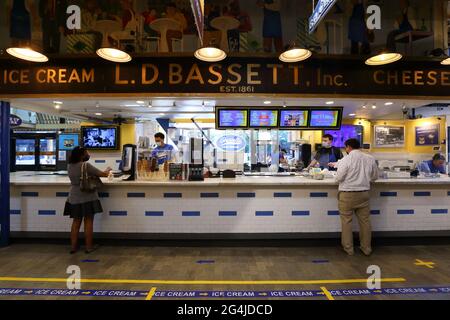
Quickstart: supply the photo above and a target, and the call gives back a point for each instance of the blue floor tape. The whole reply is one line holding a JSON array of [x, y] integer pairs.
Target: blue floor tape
[[222, 294]]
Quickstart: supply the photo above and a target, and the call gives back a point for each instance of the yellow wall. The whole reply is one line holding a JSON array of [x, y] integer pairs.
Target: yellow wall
[[127, 135], [410, 143]]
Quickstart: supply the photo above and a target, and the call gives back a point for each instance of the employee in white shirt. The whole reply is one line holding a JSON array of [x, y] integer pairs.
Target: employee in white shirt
[[355, 172]]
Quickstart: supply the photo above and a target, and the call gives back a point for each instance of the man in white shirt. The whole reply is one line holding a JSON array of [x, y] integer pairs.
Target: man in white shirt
[[355, 172]]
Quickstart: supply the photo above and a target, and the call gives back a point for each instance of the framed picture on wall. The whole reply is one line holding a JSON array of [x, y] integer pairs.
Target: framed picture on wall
[[389, 136], [427, 135]]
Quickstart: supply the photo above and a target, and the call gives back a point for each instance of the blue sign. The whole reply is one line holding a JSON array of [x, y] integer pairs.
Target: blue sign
[[14, 121], [231, 143], [320, 11]]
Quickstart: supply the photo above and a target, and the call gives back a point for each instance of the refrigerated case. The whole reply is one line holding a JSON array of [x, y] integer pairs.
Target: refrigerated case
[[33, 151]]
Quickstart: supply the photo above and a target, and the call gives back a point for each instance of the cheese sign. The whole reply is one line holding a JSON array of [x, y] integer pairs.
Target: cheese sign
[[320, 11], [14, 121]]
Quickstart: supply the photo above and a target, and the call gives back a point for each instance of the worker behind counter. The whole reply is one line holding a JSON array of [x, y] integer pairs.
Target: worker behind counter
[[163, 152], [435, 165], [328, 155]]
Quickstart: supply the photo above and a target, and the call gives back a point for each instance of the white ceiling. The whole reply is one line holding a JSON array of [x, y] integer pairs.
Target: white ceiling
[[84, 108]]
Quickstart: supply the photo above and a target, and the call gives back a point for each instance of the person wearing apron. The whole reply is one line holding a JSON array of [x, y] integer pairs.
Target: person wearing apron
[[405, 24], [326, 155]]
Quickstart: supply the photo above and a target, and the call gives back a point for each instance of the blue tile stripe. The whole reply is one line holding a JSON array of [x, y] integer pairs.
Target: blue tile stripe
[[62, 194], [422, 194], [135, 195], [14, 212], [30, 194], [173, 195], [405, 211], [264, 213], [333, 212], [375, 212], [227, 213], [118, 213], [100, 161], [246, 195], [47, 212], [190, 213], [282, 195], [154, 213], [301, 213], [209, 195], [103, 194], [388, 194], [318, 194], [439, 211]]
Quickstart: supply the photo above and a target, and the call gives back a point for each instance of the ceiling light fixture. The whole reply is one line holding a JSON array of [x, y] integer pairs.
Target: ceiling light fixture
[[329, 102], [210, 53], [374, 106], [267, 102], [98, 113], [27, 54], [140, 102], [295, 53], [284, 104], [388, 103], [97, 105], [112, 54], [57, 106], [352, 115], [446, 62], [58, 102], [383, 58]]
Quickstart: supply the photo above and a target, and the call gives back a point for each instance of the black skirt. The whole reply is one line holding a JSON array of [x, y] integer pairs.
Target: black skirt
[[81, 210]]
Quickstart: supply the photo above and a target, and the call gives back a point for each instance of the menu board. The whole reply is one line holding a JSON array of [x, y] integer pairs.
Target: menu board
[[325, 118], [294, 118], [263, 118], [346, 132], [228, 118]]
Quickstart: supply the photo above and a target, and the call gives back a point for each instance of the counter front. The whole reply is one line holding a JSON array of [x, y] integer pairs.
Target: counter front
[[250, 207]]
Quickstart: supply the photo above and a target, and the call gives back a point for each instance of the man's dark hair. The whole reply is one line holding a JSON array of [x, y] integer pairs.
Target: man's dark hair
[[329, 136], [160, 135], [77, 155], [353, 143], [438, 156]]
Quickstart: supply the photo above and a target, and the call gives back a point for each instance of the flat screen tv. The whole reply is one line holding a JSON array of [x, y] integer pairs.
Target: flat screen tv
[[294, 119], [231, 118], [346, 132], [100, 138], [260, 118], [325, 119], [68, 141]]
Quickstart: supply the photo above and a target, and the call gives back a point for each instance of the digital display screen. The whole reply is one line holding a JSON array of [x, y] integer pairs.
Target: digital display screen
[[293, 118], [346, 132], [263, 118], [232, 118], [325, 118], [100, 137], [68, 141]]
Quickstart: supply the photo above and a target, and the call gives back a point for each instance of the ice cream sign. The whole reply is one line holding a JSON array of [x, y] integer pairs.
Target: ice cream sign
[[231, 143]]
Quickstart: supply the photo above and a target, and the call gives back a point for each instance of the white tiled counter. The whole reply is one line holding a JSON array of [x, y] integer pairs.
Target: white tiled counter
[[245, 206]]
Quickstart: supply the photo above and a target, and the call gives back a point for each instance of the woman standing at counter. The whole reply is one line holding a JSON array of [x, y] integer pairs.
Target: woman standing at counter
[[80, 204]]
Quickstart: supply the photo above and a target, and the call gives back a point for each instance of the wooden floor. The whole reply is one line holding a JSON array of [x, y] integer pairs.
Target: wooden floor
[[331, 267]]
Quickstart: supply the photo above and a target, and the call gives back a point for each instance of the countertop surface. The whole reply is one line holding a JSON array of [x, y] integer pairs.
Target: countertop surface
[[39, 178]]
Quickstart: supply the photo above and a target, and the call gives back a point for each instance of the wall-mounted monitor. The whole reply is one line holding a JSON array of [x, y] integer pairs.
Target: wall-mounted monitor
[[68, 141], [263, 118], [346, 132], [294, 119], [325, 118], [100, 138], [231, 118]]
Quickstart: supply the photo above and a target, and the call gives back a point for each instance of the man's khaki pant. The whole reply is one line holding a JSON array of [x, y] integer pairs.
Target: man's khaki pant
[[358, 203]]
